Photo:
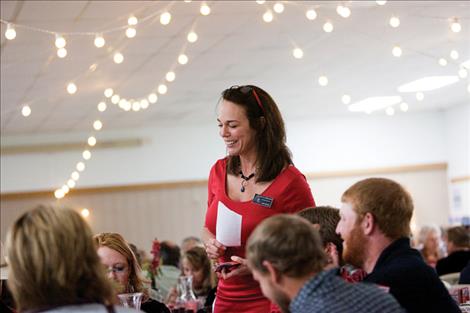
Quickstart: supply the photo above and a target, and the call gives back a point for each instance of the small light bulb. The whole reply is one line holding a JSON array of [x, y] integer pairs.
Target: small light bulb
[[328, 27], [131, 32], [278, 7], [404, 106], [85, 212], [162, 89], [26, 110], [102, 106], [419, 96], [115, 99], [183, 59], [343, 11], [298, 53], [65, 189], [71, 88], [165, 18], [323, 81], [463, 73], [118, 58], [59, 194], [455, 26], [108, 92], [60, 41], [205, 9], [152, 98], [268, 17], [75, 176], [86, 154], [394, 21], [311, 14], [91, 141], [127, 106], [192, 37], [381, 2], [132, 20], [10, 33], [396, 51], [62, 53], [454, 54], [442, 62], [99, 41], [80, 166], [260, 1], [122, 103], [170, 76], [71, 183], [346, 99], [97, 125], [390, 111], [144, 104], [136, 106]]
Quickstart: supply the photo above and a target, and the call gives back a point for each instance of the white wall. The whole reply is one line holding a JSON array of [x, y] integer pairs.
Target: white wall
[[457, 127], [367, 142], [175, 154], [457, 121]]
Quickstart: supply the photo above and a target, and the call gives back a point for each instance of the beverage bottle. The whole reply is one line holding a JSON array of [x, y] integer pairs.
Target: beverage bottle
[[187, 299]]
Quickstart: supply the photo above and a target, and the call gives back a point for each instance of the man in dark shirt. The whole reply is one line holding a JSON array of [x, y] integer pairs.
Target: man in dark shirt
[[458, 244], [375, 227]]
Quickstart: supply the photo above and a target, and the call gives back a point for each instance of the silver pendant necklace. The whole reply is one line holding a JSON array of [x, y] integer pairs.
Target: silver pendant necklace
[[245, 180]]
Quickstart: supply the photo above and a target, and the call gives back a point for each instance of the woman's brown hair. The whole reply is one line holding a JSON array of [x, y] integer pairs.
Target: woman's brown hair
[[265, 119], [199, 260]]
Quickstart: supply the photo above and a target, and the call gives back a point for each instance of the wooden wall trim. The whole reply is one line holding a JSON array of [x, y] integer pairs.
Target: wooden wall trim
[[460, 179], [379, 170], [200, 183], [91, 190], [71, 146]]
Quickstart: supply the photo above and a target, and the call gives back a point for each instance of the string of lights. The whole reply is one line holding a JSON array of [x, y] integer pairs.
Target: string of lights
[[274, 11]]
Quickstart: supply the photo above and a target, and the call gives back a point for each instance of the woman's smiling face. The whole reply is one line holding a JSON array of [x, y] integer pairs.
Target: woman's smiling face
[[235, 130]]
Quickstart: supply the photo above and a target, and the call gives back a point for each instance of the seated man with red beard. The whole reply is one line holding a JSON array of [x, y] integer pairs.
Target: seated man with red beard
[[286, 257], [375, 227]]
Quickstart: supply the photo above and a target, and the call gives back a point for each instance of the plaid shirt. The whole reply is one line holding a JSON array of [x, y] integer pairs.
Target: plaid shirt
[[326, 292]]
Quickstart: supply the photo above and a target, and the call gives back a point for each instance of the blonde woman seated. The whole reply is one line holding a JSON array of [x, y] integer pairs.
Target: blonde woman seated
[[124, 270], [197, 264], [430, 244], [53, 265]]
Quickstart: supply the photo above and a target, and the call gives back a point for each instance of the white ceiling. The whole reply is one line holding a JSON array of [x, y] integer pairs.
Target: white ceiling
[[234, 47]]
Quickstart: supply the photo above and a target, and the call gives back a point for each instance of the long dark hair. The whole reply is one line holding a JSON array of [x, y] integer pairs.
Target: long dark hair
[[266, 120]]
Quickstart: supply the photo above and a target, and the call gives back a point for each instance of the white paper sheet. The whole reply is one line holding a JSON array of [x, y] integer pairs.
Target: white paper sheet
[[229, 226]]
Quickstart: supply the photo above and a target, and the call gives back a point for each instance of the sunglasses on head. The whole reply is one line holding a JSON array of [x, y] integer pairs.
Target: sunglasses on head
[[247, 90]]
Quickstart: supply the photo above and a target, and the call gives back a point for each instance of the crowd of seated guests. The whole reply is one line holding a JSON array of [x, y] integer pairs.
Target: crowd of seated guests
[[446, 250], [357, 258]]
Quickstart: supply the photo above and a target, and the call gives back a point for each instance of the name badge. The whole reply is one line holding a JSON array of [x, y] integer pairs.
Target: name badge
[[264, 201]]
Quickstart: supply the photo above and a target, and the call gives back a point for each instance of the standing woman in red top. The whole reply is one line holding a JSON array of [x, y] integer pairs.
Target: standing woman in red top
[[255, 181]]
